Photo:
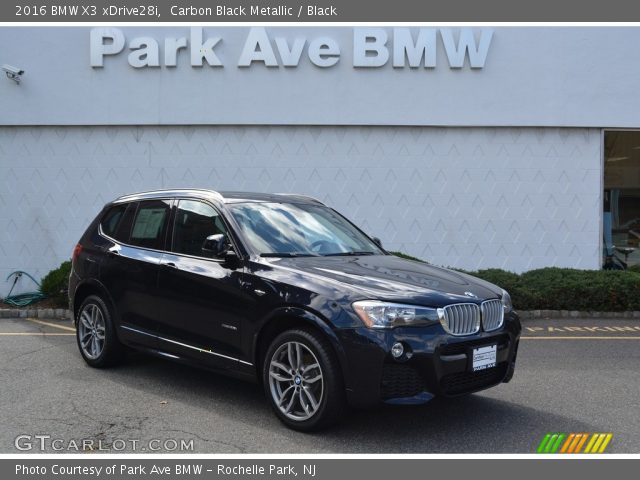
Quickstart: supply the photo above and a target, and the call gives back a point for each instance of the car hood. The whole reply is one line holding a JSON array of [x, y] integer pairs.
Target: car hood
[[392, 278]]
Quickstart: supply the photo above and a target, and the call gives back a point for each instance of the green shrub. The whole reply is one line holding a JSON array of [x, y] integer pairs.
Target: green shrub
[[569, 289], [408, 257], [55, 284], [597, 290], [507, 280]]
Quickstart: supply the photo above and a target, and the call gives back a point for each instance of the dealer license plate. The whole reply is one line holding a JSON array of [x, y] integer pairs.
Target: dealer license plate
[[484, 357]]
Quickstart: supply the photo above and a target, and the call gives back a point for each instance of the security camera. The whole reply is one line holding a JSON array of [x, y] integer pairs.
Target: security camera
[[14, 73]]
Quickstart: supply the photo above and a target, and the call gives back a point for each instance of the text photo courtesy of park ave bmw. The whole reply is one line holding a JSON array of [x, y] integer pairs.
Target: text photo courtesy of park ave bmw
[[232, 240]]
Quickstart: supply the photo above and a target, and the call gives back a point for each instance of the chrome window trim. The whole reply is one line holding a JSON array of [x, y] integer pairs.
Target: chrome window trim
[[122, 244], [169, 252]]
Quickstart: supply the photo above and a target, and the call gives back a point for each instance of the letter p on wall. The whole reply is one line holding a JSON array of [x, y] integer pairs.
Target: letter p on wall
[[105, 41]]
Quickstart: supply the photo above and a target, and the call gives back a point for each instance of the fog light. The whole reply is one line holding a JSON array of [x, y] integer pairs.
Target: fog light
[[397, 350]]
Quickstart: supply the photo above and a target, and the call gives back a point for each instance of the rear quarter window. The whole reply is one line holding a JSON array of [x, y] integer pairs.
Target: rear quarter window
[[111, 220]]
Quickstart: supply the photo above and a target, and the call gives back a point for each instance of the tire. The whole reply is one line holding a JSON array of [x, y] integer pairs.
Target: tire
[[97, 352], [311, 396]]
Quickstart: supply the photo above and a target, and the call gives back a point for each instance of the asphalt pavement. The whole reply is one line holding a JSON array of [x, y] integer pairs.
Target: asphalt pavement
[[572, 376]]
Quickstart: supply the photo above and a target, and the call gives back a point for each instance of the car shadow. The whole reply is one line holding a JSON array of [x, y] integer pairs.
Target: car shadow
[[471, 424]]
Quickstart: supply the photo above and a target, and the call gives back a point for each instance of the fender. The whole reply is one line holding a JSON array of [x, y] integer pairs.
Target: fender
[[311, 318], [95, 284]]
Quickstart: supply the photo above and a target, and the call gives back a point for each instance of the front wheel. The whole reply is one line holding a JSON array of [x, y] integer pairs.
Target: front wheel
[[302, 380]]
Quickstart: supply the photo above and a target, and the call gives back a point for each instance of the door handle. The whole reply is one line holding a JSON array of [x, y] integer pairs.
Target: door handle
[[113, 251], [169, 264]]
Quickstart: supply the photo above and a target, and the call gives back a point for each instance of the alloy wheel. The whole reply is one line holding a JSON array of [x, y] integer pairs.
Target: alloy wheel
[[91, 331], [296, 381]]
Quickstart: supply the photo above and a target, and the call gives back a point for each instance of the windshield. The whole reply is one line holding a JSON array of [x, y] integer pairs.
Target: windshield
[[298, 229]]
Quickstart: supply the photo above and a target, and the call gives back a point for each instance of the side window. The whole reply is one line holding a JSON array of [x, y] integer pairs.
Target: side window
[[111, 220], [150, 224], [195, 221]]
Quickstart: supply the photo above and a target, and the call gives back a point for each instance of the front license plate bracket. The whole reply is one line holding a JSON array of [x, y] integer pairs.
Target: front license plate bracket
[[484, 357]]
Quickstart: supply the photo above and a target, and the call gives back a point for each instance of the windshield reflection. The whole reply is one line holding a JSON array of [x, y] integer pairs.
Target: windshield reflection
[[299, 229]]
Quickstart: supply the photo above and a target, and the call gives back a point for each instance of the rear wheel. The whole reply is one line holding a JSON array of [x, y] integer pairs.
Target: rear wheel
[[96, 335], [302, 380]]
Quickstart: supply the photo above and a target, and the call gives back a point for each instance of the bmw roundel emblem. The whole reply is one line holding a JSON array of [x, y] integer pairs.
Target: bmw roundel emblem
[[471, 294]]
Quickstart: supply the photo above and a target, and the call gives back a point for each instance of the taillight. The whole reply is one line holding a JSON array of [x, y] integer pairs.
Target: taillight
[[76, 252]]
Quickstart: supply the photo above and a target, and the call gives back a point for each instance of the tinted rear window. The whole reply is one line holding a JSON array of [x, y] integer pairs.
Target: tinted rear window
[[112, 219]]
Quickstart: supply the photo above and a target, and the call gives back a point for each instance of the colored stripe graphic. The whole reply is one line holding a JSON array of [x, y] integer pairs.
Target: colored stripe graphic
[[568, 442], [604, 445], [543, 443], [556, 442], [556, 445], [581, 443]]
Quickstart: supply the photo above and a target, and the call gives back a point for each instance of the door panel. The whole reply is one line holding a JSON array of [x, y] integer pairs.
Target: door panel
[[202, 301], [129, 270], [130, 275]]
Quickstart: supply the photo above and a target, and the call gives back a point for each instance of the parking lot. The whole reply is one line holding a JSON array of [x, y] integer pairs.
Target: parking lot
[[572, 376]]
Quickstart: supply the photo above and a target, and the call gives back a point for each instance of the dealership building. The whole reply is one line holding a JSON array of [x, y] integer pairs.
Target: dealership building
[[468, 147]]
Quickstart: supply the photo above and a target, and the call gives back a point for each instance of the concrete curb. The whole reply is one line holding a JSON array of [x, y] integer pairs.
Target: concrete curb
[[575, 314], [64, 314], [43, 313]]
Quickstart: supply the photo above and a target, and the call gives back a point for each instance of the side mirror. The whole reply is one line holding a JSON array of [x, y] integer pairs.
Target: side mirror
[[214, 245], [377, 241]]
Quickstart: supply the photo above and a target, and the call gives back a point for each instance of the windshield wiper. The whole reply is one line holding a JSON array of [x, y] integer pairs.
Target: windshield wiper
[[354, 253], [289, 254]]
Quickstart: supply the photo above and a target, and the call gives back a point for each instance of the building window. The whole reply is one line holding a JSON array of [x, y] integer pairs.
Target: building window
[[621, 214]]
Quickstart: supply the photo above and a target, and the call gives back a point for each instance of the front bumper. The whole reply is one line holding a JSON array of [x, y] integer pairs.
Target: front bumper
[[434, 363]]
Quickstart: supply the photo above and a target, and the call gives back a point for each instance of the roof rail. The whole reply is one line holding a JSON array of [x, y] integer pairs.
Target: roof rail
[[171, 190], [301, 196]]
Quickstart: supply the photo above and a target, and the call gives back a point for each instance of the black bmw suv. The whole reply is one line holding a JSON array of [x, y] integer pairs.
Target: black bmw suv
[[284, 290]]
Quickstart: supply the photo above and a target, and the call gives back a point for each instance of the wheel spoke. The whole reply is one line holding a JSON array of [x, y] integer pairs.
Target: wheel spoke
[[312, 399], [290, 405], [86, 320], [313, 379], [283, 396], [100, 333], [298, 356], [86, 339], [281, 366], [305, 405], [279, 378], [291, 355], [310, 367], [94, 346]]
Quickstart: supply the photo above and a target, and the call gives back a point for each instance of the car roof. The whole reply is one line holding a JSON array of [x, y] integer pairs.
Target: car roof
[[222, 197]]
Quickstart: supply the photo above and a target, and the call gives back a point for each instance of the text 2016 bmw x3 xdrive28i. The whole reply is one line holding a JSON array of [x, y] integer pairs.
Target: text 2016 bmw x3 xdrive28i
[[284, 290]]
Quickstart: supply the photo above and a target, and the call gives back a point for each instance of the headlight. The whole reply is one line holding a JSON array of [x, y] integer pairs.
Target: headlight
[[506, 301], [377, 314]]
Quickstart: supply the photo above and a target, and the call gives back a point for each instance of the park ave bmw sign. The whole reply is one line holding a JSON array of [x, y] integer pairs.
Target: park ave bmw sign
[[371, 48]]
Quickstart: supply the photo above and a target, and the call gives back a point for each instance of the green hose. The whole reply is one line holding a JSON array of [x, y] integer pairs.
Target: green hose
[[22, 299]]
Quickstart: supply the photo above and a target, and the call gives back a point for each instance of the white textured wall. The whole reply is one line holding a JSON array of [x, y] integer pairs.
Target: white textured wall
[[516, 198]]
